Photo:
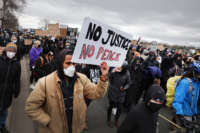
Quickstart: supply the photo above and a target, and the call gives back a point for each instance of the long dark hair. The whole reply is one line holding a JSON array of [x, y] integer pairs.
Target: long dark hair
[[60, 60]]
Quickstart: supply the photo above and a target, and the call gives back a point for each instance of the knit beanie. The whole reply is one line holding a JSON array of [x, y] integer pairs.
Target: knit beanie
[[11, 46]]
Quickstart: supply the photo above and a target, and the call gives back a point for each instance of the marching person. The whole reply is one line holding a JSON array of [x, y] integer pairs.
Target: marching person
[[186, 97], [143, 117], [57, 103], [44, 65], [34, 54], [10, 72], [119, 81], [136, 72]]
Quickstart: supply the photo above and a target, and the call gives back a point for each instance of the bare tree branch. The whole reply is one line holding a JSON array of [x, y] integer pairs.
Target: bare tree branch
[[9, 7]]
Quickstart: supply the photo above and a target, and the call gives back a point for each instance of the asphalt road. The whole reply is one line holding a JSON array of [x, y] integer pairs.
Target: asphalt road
[[18, 122], [97, 118]]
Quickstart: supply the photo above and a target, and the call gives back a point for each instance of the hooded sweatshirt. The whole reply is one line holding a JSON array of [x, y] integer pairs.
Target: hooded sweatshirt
[[141, 119]]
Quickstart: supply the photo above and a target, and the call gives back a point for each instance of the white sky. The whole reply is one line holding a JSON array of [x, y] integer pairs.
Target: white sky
[[172, 21]]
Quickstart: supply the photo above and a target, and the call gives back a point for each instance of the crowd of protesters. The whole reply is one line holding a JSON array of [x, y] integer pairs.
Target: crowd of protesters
[[61, 91]]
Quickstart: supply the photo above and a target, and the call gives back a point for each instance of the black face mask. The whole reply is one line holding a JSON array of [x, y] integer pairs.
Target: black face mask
[[154, 107]]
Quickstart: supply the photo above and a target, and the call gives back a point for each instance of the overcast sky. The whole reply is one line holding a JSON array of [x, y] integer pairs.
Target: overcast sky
[[173, 21]]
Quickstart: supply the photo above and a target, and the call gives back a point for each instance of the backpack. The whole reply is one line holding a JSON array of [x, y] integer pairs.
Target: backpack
[[171, 85]]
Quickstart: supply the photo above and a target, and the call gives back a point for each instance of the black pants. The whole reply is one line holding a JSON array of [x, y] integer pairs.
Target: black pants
[[88, 102], [112, 105], [31, 75]]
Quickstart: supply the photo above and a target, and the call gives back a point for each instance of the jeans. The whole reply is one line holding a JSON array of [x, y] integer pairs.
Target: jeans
[[3, 117]]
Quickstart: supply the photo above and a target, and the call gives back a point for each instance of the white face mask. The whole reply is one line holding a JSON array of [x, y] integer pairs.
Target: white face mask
[[10, 55], [69, 71], [14, 41], [159, 61]]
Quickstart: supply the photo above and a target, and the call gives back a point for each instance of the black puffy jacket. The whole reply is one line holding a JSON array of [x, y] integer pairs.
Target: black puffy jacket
[[141, 119], [10, 72], [117, 80]]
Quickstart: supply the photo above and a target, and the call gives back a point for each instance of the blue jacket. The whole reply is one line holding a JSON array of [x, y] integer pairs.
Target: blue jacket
[[183, 97]]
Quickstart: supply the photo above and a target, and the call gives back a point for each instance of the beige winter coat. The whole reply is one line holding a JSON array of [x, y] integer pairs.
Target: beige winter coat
[[46, 105]]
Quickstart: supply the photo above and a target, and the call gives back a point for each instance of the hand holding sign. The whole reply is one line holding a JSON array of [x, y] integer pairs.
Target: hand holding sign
[[104, 71], [104, 68]]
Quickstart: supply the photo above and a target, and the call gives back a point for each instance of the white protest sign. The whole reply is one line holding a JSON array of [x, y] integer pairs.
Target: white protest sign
[[98, 42]]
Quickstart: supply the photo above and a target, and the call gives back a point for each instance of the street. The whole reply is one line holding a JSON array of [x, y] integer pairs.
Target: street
[[18, 122]]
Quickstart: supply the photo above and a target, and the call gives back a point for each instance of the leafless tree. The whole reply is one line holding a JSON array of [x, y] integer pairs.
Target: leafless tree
[[9, 20], [44, 24]]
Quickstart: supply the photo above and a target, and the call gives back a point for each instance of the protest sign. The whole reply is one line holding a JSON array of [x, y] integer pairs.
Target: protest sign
[[98, 42], [72, 35]]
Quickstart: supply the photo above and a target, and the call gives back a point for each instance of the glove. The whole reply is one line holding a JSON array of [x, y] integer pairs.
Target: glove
[[185, 123]]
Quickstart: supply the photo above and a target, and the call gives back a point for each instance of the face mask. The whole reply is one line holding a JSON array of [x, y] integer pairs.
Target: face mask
[[69, 71], [14, 41], [159, 60], [154, 107], [10, 55]]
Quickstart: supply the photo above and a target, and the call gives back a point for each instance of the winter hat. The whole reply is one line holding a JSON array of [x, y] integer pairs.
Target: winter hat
[[11, 46], [154, 71]]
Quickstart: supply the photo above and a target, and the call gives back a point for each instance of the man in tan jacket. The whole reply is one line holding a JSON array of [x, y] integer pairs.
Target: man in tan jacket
[[57, 102]]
